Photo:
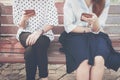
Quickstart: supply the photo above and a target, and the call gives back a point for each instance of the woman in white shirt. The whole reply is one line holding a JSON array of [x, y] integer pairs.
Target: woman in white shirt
[[35, 19], [86, 46]]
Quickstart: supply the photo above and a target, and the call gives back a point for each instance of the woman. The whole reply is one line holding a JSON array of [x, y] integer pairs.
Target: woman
[[35, 19], [87, 47]]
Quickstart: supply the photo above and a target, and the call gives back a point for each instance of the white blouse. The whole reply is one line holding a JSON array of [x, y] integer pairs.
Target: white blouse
[[73, 10], [46, 14]]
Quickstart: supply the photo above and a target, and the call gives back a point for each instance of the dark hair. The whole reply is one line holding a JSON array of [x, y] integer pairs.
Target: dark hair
[[98, 6]]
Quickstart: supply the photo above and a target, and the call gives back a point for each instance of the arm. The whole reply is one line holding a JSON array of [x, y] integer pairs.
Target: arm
[[19, 18], [69, 20], [97, 23], [51, 20], [23, 21], [101, 20]]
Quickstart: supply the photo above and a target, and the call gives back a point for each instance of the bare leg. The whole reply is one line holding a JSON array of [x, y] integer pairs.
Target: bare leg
[[44, 78], [97, 70], [82, 72]]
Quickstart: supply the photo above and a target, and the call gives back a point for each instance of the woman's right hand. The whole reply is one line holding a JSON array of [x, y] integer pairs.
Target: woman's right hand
[[93, 22], [25, 17], [87, 29]]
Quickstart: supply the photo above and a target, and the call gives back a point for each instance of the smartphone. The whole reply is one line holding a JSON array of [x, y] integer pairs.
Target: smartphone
[[29, 11], [86, 15]]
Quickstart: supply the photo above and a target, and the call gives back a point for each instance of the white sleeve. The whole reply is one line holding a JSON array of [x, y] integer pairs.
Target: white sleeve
[[104, 15], [69, 17]]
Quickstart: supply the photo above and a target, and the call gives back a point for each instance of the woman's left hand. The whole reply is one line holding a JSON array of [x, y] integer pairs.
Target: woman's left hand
[[91, 20], [95, 23], [32, 38]]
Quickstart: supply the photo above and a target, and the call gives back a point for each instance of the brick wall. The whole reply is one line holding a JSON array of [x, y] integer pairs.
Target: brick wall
[[9, 2]]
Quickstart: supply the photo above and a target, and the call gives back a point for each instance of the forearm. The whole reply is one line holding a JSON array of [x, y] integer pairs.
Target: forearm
[[96, 27], [79, 29], [24, 19], [22, 23], [44, 29], [47, 28]]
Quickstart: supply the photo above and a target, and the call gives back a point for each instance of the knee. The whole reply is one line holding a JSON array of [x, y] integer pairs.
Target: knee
[[84, 65], [83, 68], [42, 41], [99, 61]]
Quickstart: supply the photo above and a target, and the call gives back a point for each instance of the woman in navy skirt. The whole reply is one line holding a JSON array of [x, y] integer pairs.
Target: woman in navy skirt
[[87, 47]]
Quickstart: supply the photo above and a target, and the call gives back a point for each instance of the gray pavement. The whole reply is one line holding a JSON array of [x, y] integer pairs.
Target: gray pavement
[[56, 72]]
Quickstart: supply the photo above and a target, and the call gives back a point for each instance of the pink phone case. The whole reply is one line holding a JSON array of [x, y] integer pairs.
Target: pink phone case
[[86, 15], [29, 11]]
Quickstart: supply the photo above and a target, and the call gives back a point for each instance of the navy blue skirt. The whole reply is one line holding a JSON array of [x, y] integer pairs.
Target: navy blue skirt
[[85, 46]]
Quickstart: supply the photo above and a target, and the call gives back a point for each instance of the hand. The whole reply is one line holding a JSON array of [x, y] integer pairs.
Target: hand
[[32, 38], [87, 30], [87, 15], [25, 17], [95, 25], [92, 22]]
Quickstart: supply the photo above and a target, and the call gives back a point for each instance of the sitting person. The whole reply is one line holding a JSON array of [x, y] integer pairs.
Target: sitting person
[[35, 19], [87, 47]]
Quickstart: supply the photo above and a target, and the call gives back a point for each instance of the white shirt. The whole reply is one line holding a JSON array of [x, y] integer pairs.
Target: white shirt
[[73, 10], [46, 14]]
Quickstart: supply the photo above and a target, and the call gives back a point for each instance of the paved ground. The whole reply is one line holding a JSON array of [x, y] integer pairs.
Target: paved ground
[[56, 72]]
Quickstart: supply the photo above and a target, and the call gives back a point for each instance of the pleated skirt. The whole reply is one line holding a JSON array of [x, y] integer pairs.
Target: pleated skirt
[[86, 46]]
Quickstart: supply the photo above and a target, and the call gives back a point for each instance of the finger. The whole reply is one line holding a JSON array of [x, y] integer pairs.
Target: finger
[[84, 18], [32, 40], [93, 14], [28, 40], [91, 20], [23, 12], [35, 39], [88, 20], [31, 14]]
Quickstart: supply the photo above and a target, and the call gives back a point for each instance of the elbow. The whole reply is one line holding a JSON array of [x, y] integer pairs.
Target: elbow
[[50, 27], [70, 28]]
